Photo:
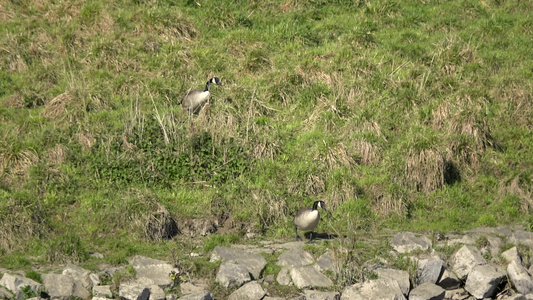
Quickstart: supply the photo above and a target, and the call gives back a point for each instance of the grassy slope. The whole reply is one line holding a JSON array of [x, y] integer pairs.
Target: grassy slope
[[400, 114]]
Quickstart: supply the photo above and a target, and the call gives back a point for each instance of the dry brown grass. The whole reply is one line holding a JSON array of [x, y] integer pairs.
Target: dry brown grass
[[56, 109], [515, 187], [20, 222], [424, 170], [369, 154]]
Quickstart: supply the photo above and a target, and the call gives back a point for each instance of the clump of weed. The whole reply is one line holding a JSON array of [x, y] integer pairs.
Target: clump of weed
[[424, 170]]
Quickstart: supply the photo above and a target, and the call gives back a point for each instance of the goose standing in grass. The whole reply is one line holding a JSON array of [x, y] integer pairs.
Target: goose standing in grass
[[307, 219], [194, 100]]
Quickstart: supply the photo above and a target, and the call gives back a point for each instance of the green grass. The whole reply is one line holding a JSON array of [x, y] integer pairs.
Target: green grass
[[399, 114]]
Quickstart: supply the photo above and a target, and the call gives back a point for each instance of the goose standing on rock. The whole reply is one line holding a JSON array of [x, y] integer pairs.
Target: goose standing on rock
[[194, 100], [307, 219]]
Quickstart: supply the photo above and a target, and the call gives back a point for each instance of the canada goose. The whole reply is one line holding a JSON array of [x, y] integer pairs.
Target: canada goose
[[195, 99], [307, 219]]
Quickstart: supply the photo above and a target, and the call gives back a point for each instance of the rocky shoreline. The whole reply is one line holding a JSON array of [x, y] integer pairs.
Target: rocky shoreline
[[477, 269]]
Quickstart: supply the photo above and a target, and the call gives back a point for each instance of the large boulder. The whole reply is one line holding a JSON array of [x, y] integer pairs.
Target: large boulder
[[483, 280], [156, 270], [379, 289], [405, 242], [427, 291], [309, 277], [520, 278], [20, 285], [255, 263], [249, 291], [465, 259], [231, 275]]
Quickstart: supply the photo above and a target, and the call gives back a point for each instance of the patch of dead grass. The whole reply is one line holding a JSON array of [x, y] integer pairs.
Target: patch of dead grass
[[424, 170]]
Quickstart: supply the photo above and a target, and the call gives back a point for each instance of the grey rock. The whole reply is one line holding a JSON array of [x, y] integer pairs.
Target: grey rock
[[325, 262], [231, 275], [520, 278], [273, 298], [400, 276], [454, 239], [516, 297], [94, 279], [309, 277], [449, 281], [249, 291], [156, 270], [465, 259], [255, 263], [201, 295], [494, 245], [456, 294], [429, 270], [295, 258], [80, 277], [102, 291], [284, 277], [15, 283], [379, 289], [405, 242], [512, 255], [483, 280], [318, 295], [191, 287], [522, 237], [5, 293], [133, 291], [427, 291], [60, 286]]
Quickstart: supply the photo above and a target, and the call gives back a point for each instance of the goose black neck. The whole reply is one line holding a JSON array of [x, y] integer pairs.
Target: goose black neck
[[207, 85], [315, 205]]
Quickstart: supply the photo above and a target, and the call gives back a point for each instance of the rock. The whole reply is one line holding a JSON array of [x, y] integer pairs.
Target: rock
[[483, 280], [81, 278], [102, 291], [318, 295], [405, 242], [449, 280], [379, 289], [494, 245], [249, 291], [133, 291], [295, 258], [427, 291], [522, 237], [465, 259], [60, 286], [284, 277], [202, 295], [512, 255], [520, 278], [400, 276], [516, 297], [94, 279], [191, 287], [231, 275], [198, 227], [325, 262], [6, 294], [15, 283], [429, 270], [156, 270], [309, 277], [456, 294], [255, 263]]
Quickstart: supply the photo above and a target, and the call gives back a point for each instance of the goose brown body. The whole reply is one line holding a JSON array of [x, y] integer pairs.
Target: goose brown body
[[194, 100], [307, 219]]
